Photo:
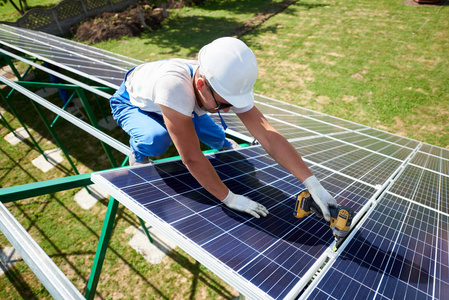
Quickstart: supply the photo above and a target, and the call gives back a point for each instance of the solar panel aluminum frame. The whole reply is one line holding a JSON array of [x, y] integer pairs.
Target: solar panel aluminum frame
[[325, 261], [331, 255]]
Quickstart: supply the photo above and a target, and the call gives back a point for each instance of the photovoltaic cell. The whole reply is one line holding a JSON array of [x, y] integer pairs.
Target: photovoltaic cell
[[444, 202]]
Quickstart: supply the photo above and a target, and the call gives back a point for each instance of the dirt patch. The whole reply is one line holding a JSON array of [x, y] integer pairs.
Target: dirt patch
[[113, 25]]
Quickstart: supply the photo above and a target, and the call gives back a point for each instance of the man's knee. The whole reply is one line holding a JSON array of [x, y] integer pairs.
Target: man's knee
[[152, 144]]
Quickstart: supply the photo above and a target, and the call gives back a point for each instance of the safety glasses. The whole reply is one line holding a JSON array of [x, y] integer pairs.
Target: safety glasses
[[220, 105]]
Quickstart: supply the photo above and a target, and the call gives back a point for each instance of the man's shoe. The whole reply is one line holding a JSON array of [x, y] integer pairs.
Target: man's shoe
[[133, 162], [233, 145]]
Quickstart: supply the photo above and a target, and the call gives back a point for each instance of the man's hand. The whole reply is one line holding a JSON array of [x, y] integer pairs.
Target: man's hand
[[320, 196], [244, 204]]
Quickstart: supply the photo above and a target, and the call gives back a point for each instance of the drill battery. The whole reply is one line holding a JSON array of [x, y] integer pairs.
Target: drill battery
[[341, 217]]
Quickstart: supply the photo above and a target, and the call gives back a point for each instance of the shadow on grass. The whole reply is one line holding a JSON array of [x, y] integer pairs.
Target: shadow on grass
[[199, 34], [204, 29], [199, 276], [14, 276]]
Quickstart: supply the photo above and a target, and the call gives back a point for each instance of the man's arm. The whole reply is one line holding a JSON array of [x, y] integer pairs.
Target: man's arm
[[286, 155], [275, 143], [183, 134]]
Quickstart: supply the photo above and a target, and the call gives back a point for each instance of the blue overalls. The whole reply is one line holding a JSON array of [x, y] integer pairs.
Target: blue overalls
[[147, 130]]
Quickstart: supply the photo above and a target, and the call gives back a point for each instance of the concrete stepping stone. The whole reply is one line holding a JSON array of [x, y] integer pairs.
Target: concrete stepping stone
[[18, 136], [86, 200], [54, 158], [154, 252]]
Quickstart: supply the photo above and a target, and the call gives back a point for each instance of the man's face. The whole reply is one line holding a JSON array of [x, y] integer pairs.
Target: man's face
[[221, 105]]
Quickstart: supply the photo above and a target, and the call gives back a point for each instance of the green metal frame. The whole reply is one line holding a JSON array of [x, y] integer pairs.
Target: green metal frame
[[14, 112]]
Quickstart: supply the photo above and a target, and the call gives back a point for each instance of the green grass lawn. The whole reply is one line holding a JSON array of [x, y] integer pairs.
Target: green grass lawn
[[379, 63]]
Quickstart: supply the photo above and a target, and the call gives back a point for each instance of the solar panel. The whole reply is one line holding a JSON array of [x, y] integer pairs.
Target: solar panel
[[397, 186]]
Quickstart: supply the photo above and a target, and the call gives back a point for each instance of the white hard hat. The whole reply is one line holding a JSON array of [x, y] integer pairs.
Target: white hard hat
[[231, 69]]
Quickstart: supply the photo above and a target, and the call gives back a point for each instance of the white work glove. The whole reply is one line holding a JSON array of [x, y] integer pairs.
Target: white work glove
[[243, 204], [320, 196]]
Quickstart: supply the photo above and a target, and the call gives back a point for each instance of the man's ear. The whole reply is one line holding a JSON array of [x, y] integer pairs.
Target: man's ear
[[200, 83]]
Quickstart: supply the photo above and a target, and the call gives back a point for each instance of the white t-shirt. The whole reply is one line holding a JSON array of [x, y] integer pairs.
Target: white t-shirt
[[168, 83]]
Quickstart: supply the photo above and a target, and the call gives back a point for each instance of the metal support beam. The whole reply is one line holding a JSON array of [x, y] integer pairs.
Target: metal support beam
[[105, 236], [35, 189]]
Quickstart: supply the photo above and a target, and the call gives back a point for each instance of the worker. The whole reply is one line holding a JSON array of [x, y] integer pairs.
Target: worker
[[168, 100]]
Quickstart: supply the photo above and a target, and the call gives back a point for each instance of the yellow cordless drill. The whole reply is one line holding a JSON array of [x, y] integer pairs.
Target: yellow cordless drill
[[341, 217]]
